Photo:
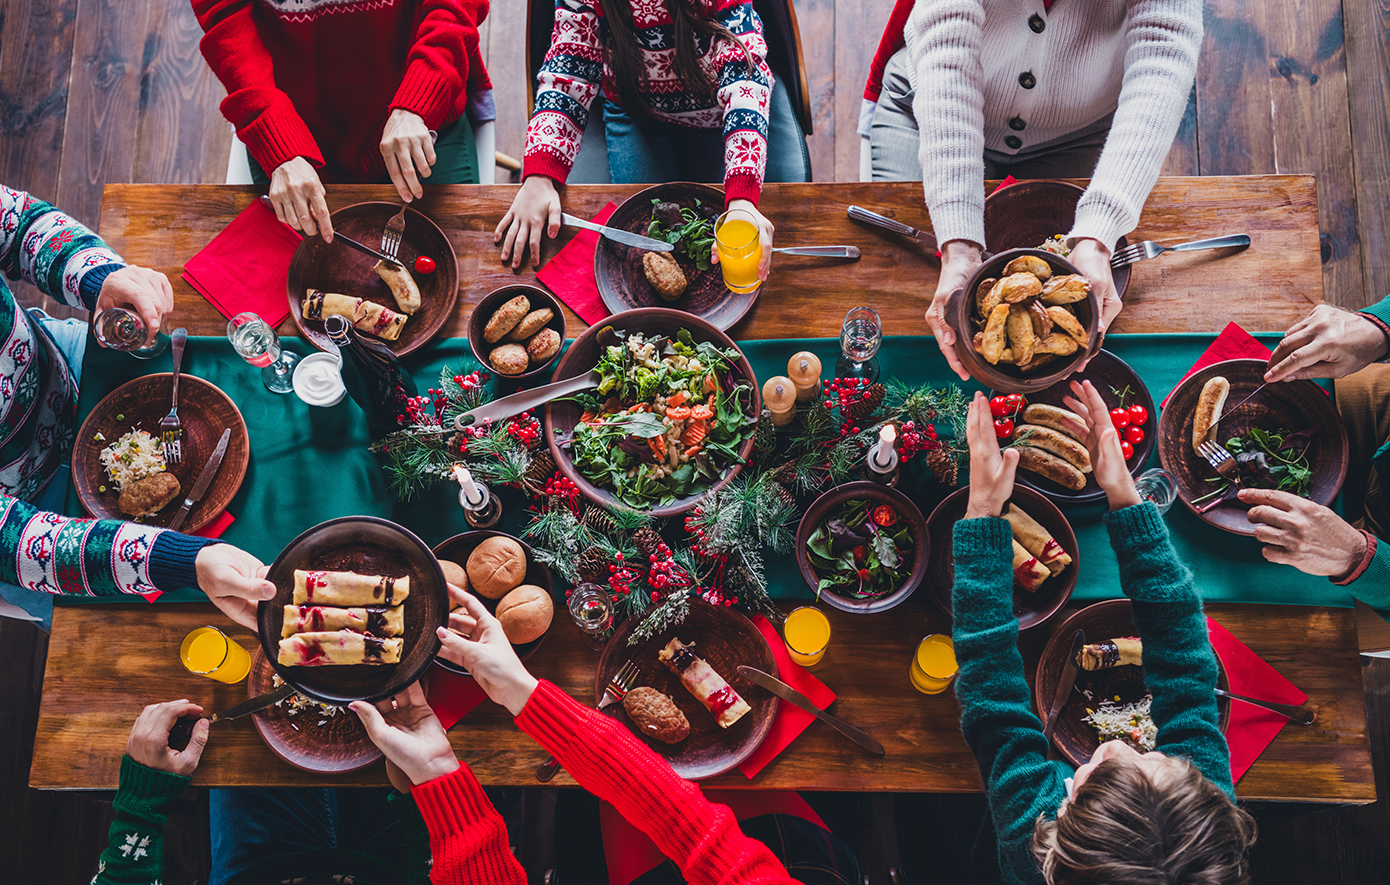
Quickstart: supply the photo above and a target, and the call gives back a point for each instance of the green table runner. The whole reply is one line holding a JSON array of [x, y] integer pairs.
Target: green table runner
[[311, 464]]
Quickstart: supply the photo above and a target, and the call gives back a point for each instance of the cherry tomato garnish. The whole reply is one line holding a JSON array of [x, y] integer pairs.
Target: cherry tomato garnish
[[1134, 435], [861, 554], [1138, 415], [999, 406], [1126, 449], [424, 264], [1119, 417], [885, 515], [1016, 403], [1003, 427]]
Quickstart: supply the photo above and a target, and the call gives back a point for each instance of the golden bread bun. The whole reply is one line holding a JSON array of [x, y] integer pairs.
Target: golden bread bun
[[456, 575], [525, 613], [496, 566]]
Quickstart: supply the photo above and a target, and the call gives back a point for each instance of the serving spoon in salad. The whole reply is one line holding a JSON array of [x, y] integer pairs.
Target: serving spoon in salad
[[526, 400]]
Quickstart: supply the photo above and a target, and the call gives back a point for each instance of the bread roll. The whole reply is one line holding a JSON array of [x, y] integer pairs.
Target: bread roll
[[525, 613], [496, 566], [1209, 406], [454, 574]]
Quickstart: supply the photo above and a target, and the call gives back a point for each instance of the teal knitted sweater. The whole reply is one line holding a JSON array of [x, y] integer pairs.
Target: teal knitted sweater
[[996, 711]]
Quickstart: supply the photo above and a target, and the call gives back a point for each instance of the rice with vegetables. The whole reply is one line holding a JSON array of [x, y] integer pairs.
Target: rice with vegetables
[[134, 456], [1129, 722]]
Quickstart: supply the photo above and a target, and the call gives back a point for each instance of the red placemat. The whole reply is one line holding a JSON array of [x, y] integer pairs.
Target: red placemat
[[791, 721], [570, 274], [1252, 728], [452, 696], [1234, 343], [245, 267]]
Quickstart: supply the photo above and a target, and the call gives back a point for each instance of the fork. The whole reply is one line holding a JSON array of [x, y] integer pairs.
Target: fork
[[391, 236], [1220, 459], [170, 427], [618, 687], [1150, 249]]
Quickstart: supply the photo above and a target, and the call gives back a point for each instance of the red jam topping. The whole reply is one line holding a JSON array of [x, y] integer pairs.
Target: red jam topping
[[311, 652], [1024, 573], [722, 699], [1051, 550], [313, 581]]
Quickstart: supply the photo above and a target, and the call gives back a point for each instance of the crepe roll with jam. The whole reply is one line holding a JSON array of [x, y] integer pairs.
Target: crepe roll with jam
[[1037, 540], [1117, 652], [365, 316], [378, 620], [348, 589], [700, 679], [339, 648], [1028, 572], [402, 285]]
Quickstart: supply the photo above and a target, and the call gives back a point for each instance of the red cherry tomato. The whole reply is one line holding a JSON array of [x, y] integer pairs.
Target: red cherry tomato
[[1016, 403], [999, 406], [1003, 427], [1126, 449], [1119, 417], [1138, 415], [424, 264], [1134, 435], [861, 554], [885, 515]]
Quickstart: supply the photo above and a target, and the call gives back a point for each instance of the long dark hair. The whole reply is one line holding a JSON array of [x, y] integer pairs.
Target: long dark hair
[[625, 52]]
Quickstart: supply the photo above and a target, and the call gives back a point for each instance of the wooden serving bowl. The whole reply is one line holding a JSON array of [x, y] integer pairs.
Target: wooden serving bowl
[[830, 502], [205, 410], [1290, 405], [459, 548], [1009, 378], [337, 267], [483, 312], [623, 283], [337, 746], [1026, 214], [1032, 609], [561, 416]]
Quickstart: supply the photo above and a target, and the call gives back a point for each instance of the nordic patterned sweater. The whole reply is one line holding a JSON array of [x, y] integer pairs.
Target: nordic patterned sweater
[[997, 717], [576, 67]]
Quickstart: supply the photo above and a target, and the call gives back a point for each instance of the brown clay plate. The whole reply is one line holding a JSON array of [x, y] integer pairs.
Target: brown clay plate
[[826, 506], [1118, 385], [340, 744], [337, 267], [1288, 405], [724, 638], [372, 546], [623, 283], [205, 411], [1076, 739], [1032, 609]]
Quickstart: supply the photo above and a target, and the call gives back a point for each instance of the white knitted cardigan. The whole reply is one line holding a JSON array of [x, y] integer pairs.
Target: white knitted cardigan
[[1136, 58]]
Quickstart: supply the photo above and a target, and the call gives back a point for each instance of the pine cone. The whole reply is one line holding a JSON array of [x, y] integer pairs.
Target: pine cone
[[541, 469], [593, 565], [784, 494], [942, 462], [864, 407], [647, 540], [600, 521]]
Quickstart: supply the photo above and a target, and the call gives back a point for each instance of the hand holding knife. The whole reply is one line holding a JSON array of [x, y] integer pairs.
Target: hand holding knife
[[182, 731]]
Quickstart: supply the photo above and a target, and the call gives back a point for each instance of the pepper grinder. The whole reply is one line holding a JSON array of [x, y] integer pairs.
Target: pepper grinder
[[480, 508], [804, 369], [779, 396], [882, 458]]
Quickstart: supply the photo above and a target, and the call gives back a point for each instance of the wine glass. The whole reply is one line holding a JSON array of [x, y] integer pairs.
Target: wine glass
[[120, 329], [258, 344], [860, 337]]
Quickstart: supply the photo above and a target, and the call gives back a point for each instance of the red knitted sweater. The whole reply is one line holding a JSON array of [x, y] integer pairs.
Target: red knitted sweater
[[318, 78], [469, 842]]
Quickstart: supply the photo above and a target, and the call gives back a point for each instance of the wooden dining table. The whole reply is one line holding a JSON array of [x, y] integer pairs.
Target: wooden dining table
[[105, 662]]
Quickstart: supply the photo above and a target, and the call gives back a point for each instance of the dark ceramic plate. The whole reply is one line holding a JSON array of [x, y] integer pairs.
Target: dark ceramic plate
[[1288, 405], [1032, 609], [725, 639], [477, 321], [371, 546], [623, 283], [337, 267], [1025, 214], [1111, 376], [828, 504], [205, 411], [340, 744], [459, 548], [561, 416], [1076, 739]]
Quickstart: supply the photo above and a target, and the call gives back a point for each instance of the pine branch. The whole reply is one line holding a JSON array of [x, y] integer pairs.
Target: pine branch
[[670, 613]]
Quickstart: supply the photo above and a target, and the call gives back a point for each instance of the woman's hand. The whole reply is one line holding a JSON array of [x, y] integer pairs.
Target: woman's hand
[[1328, 343], [1305, 535], [1103, 442], [991, 473], [765, 232], [1092, 258], [139, 289], [234, 581], [297, 196], [408, 149], [148, 743], [535, 209], [959, 261], [410, 736], [484, 650]]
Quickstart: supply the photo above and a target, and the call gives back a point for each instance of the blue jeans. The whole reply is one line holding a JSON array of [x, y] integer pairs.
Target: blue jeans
[[812, 856]]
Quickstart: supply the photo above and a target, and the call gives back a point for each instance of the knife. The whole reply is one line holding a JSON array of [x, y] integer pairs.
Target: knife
[[819, 251], [204, 480], [1225, 412], [618, 235], [1372, 632], [928, 241], [787, 693], [526, 400], [1059, 699], [182, 731], [339, 235]]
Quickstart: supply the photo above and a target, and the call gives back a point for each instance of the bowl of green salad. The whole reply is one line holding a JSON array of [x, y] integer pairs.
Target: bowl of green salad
[[863, 547], [673, 417]]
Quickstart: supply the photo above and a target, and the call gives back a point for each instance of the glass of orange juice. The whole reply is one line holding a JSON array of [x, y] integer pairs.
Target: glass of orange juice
[[807, 634], [934, 664], [740, 251], [209, 652]]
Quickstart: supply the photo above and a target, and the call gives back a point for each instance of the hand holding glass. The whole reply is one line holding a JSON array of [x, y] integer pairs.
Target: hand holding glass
[[740, 250], [119, 329]]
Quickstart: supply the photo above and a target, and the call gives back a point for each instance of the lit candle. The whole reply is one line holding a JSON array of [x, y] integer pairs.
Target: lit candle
[[883, 456], [804, 369], [779, 395], [472, 496]]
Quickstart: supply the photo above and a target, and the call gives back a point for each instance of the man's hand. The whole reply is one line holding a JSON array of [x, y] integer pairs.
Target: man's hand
[[991, 474], [484, 650], [408, 149], [1092, 258], [1103, 442], [536, 209], [139, 289], [1305, 535], [234, 581], [1328, 343], [410, 736], [765, 232], [298, 198], [148, 743], [959, 261]]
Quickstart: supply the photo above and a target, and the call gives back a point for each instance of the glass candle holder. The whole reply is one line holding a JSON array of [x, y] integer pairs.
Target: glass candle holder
[[861, 334], [209, 652], [934, 665]]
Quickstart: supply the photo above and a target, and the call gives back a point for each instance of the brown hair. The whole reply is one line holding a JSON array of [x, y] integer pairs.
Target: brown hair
[[625, 51], [1123, 826]]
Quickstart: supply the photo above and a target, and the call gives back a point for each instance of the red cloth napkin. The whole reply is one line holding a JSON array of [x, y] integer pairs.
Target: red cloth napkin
[[570, 274], [213, 529], [452, 696], [791, 721], [245, 266], [1234, 343], [1252, 728]]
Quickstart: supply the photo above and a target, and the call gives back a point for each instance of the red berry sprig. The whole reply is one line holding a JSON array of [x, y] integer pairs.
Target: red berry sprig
[[525, 429]]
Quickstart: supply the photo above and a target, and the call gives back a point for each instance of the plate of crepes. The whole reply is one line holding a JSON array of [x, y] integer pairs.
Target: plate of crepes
[[1044, 562], [1288, 436], [405, 306], [357, 603], [1109, 699], [308, 734], [688, 701], [683, 214], [118, 464], [1051, 439]]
